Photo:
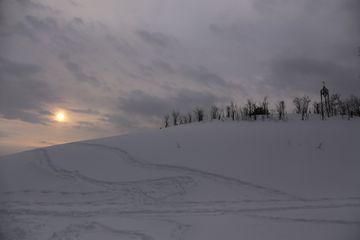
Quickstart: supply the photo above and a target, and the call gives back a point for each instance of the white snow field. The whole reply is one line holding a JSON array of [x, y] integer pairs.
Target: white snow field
[[217, 180]]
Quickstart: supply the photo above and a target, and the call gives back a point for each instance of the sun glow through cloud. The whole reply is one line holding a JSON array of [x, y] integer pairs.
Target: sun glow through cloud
[[60, 116]]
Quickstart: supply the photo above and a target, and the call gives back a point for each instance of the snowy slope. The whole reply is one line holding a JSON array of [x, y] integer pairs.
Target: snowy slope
[[228, 180]]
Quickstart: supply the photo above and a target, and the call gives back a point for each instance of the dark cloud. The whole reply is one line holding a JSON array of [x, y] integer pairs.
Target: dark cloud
[[204, 77], [28, 4], [140, 110], [186, 100], [121, 45], [36, 29], [156, 39], [79, 74], [45, 112], [19, 70], [24, 30], [269, 5], [47, 24], [146, 72], [163, 66], [353, 8], [64, 56], [85, 125], [121, 121], [22, 95], [215, 28], [84, 111], [73, 3], [23, 116], [78, 20], [29, 26], [140, 103], [307, 74], [295, 45]]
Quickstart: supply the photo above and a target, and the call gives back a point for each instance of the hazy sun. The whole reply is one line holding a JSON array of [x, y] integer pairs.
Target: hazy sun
[[60, 116]]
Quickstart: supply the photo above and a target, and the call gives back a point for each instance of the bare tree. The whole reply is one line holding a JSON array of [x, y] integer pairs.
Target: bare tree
[[352, 104], [244, 112], [265, 106], [233, 110], [305, 107], [302, 106], [228, 111], [214, 112], [348, 108], [297, 103], [355, 105], [250, 109], [280, 108], [189, 117], [343, 109], [316, 107], [199, 114], [184, 119], [238, 113], [334, 104], [175, 115], [221, 114], [166, 120]]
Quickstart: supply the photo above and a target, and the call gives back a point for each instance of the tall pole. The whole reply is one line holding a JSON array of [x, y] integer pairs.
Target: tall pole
[[322, 105]]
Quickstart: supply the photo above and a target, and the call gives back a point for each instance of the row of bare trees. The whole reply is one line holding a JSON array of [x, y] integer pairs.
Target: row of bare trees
[[250, 111], [179, 119], [349, 107], [337, 106]]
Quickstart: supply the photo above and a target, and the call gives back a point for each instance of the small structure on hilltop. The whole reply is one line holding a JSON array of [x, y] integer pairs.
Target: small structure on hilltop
[[324, 101]]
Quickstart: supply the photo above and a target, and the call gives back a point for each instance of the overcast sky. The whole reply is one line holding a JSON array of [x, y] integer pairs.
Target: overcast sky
[[117, 66]]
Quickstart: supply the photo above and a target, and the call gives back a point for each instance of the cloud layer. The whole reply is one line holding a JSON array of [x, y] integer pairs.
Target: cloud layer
[[117, 66]]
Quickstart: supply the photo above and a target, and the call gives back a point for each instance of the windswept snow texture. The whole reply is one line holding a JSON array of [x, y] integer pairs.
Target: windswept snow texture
[[218, 180]]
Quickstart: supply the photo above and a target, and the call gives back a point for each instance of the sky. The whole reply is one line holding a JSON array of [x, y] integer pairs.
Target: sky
[[118, 66]]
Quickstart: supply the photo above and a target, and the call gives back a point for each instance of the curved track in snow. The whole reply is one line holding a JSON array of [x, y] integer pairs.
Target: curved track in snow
[[191, 171], [154, 197]]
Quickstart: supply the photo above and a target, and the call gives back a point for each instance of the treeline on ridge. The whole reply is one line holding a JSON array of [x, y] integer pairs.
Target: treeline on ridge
[[333, 106]]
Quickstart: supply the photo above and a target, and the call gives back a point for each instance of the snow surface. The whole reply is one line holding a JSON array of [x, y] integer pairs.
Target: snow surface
[[217, 180]]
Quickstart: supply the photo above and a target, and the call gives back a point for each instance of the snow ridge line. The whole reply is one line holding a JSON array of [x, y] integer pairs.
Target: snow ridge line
[[201, 173]]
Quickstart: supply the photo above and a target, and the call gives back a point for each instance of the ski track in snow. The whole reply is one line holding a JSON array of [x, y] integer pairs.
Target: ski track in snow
[[306, 220], [149, 197], [74, 230], [187, 170]]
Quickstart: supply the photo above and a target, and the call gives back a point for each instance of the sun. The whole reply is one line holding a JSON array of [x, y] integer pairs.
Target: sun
[[60, 116]]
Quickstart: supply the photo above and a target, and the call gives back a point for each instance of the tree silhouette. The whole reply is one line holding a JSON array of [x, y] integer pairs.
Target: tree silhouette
[[199, 114], [175, 115]]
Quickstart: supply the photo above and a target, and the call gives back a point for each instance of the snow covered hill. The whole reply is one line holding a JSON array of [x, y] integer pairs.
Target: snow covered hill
[[218, 180]]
